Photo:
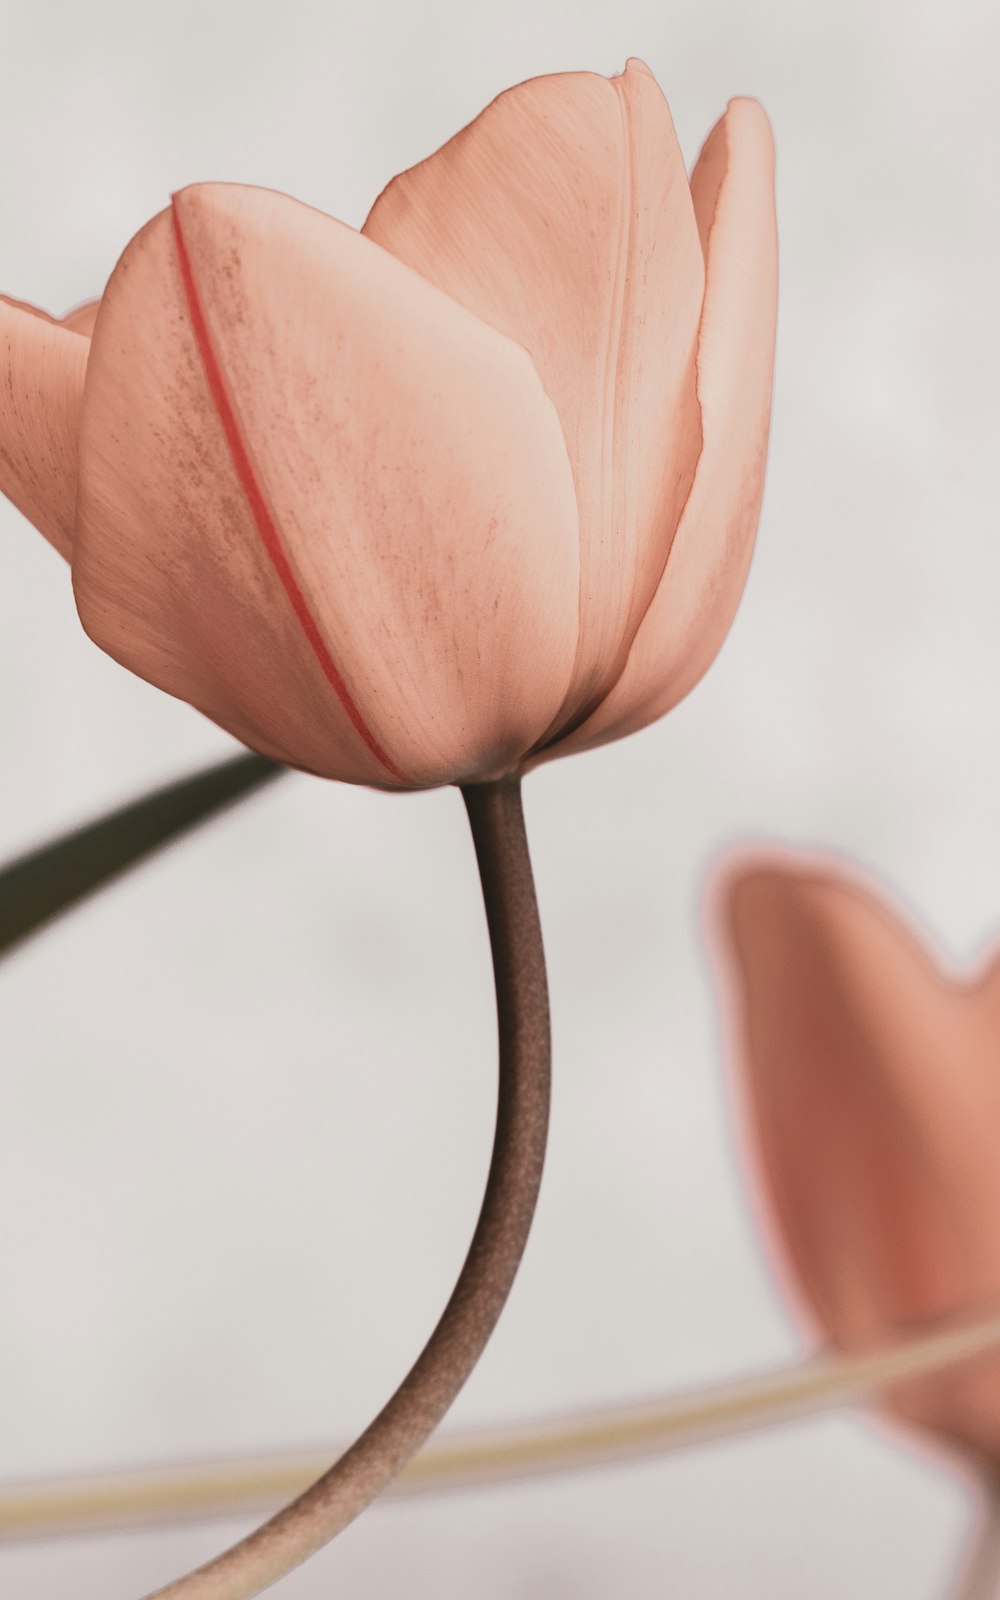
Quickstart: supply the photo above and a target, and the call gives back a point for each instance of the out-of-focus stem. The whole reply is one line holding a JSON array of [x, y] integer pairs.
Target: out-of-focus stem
[[410, 1416], [593, 1438], [979, 1578]]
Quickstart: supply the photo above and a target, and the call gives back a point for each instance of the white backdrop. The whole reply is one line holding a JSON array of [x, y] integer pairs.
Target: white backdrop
[[247, 1097]]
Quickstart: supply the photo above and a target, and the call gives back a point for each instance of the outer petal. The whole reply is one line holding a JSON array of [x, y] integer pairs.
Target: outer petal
[[563, 216], [82, 318], [693, 607], [873, 1097], [42, 368], [310, 495]]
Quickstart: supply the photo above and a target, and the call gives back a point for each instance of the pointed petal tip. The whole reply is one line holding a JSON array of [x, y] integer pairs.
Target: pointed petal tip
[[746, 105], [208, 196], [182, 197], [745, 113], [636, 64], [42, 365], [746, 888], [193, 197], [744, 124], [812, 900], [189, 191]]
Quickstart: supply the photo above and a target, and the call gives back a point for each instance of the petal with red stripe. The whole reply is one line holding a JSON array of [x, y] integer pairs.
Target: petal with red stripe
[[322, 501]]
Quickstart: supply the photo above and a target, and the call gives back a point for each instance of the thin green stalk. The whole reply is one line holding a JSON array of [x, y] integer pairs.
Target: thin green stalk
[[43, 883]]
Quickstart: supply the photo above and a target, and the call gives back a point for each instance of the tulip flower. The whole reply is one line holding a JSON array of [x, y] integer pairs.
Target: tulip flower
[[873, 1099], [436, 500], [425, 503]]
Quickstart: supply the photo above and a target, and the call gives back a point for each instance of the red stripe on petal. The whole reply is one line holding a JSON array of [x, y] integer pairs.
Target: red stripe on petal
[[259, 508]]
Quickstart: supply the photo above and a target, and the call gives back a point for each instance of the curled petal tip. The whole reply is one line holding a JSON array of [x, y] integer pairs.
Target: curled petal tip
[[746, 110], [738, 891]]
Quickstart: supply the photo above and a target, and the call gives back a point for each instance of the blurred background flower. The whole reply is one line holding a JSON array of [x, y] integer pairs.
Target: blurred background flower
[[870, 1081]]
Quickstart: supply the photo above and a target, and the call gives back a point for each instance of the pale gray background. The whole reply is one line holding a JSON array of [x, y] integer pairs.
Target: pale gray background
[[247, 1098]]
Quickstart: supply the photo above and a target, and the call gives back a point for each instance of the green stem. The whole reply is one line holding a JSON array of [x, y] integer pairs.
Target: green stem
[[46, 882]]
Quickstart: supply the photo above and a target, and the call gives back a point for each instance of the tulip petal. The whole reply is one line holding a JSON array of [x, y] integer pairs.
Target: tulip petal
[[42, 368], [842, 1020], [872, 1096], [562, 216], [82, 318], [697, 596], [310, 495]]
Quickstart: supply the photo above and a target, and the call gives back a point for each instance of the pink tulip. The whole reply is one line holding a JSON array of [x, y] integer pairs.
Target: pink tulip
[[436, 500], [873, 1107]]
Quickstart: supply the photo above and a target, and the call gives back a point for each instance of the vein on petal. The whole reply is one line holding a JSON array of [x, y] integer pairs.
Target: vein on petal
[[263, 517]]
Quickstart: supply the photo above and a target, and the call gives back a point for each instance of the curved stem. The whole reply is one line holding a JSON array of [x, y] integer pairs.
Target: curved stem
[[301, 1528], [209, 1490]]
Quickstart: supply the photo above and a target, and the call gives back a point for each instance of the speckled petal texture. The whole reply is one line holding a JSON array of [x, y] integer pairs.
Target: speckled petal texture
[[42, 367], [696, 599], [82, 318], [404, 456]]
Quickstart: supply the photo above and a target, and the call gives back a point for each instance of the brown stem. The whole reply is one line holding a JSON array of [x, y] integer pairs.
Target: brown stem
[[979, 1578], [406, 1421]]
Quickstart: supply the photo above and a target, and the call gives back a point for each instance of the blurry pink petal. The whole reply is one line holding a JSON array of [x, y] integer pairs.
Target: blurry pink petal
[[42, 369], [562, 216], [311, 498], [694, 604], [82, 318], [873, 1098]]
